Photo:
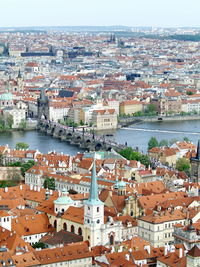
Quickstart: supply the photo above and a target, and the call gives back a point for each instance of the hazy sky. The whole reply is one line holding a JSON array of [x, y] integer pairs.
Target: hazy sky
[[100, 12]]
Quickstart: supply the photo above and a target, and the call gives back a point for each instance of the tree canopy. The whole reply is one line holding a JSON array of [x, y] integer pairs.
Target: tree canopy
[[130, 154], [21, 145], [183, 164], [49, 183], [26, 166], [153, 142]]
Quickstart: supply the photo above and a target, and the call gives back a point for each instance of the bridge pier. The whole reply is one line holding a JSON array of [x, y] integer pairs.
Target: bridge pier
[[85, 140]]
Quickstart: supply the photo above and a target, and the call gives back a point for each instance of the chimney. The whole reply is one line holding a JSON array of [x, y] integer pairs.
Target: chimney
[[138, 164], [21, 186], [35, 188], [47, 195], [38, 189], [6, 189], [51, 192], [148, 249], [127, 257], [180, 253], [165, 250], [31, 187]]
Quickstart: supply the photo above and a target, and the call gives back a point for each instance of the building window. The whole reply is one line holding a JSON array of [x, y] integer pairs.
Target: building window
[[98, 221], [97, 209], [79, 231], [65, 226], [72, 228]]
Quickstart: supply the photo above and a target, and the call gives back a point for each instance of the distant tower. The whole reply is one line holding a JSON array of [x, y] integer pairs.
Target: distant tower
[[43, 106], [195, 165], [93, 213], [20, 82]]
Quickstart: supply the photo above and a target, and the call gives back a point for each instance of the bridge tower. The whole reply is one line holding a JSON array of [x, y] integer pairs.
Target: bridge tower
[[43, 106]]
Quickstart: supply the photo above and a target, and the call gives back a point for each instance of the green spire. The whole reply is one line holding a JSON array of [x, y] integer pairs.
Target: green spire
[[94, 196], [94, 186]]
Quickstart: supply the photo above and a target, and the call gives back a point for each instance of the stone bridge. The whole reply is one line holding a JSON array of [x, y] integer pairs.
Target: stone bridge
[[80, 137]]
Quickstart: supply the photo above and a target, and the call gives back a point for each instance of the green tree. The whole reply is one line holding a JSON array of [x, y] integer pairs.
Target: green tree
[[130, 154], [186, 139], [172, 141], [14, 164], [1, 159], [26, 166], [163, 142], [39, 245], [189, 93], [22, 124], [21, 145], [183, 164], [7, 183], [2, 123], [9, 121], [81, 123], [153, 142], [151, 109], [49, 182]]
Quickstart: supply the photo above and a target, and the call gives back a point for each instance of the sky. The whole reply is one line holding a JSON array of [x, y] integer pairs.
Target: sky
[[155, 13]]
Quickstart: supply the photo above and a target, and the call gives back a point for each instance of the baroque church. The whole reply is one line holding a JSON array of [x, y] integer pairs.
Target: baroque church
[[86, 219]]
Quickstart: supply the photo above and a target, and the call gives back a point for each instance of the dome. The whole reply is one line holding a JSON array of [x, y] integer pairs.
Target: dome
[[6, 97], [121, 184], [64, 199]]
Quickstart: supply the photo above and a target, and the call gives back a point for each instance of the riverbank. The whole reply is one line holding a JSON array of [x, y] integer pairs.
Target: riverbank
[[17, 130], [135, 136], [124, 122]]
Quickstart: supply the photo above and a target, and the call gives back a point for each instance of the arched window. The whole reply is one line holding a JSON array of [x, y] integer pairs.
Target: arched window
[[79, 231], [131, 213], [111, 240], [65, 226], [72, 228], [55, 224]]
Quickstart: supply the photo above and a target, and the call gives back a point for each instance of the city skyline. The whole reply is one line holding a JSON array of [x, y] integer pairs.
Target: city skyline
[[102, 13]]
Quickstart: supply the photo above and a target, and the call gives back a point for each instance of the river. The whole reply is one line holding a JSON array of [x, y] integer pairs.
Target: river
[[136, 135]]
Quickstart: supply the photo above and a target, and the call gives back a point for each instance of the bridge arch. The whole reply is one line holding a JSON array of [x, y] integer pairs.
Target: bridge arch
[[98, 146], [61, 131], [78, 137], [53, 129]]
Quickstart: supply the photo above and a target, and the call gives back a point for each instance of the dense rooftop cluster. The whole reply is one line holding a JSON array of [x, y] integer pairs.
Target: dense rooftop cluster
[[97, 208]]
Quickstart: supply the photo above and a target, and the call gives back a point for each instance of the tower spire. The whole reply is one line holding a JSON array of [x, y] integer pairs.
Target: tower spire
[[198, 151], [94, 186], [19, 76], [94, 195]]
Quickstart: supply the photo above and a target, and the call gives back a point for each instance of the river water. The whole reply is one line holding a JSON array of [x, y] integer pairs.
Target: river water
[[135, 136]]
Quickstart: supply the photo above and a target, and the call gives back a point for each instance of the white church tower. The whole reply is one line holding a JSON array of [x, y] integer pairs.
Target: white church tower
[[93, 213]]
